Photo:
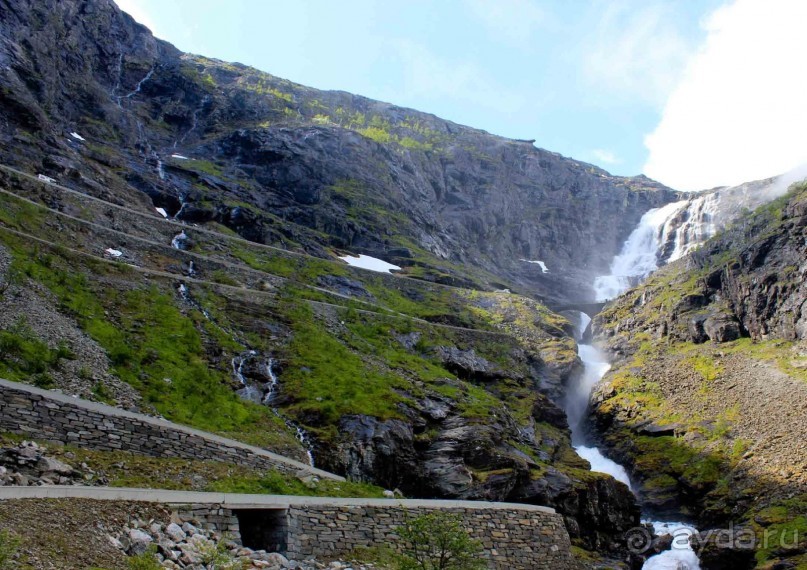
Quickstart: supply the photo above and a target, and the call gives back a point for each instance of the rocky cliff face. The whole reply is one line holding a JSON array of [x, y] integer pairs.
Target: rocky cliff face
[[282, 163]]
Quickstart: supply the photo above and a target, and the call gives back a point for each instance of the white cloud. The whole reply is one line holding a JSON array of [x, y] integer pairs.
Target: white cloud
[[635, 51], [511, 22], [605, 156], [738, 113]]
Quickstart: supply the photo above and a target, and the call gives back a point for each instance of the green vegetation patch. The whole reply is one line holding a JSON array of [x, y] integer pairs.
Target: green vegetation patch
[[151, 344], [23, 357], [327, 380]]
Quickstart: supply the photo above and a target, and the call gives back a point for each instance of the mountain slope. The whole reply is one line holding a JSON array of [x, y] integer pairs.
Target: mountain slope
[[706, 401], [232, 313], [285, 164]]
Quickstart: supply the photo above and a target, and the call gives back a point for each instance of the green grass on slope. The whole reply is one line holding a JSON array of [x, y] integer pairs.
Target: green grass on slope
[[25, 357], [151, 344], [122, 469], [328, 380]]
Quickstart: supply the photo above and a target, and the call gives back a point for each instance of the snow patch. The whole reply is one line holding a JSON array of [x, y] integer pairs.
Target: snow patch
[[179, 156], [162, 212], [371, 263], [537, 262], [44, 178], [113, 252], [77, 136]]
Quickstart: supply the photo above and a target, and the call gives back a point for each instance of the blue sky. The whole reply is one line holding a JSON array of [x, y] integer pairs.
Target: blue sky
[[591, 79]]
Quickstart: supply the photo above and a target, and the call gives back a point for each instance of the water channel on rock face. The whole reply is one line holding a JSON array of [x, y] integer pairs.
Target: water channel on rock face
[[638, 258]]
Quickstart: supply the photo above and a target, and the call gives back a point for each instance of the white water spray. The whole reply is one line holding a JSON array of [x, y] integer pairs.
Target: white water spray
[[638, 258], [639, 255], [180, 241]]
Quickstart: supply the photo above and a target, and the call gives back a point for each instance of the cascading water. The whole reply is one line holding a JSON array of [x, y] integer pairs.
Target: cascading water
[[681, 557], [639, 255], [265, 394], [576, 405], [669, 233], [271, 387], [638, 258], [180, 241], [183, 291], [247, 391], [270, 391], [262, 394], [694, 225]]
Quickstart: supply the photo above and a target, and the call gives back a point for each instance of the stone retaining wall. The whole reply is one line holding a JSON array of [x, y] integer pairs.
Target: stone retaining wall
[[514, 536], [511, 538], [52, 416]]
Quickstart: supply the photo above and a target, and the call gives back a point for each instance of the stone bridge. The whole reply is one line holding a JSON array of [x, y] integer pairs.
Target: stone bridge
[[513, 536], [591, 309]]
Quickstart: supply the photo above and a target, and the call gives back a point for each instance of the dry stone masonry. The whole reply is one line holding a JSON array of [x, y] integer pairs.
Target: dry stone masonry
[[45, 415], [513, 536]]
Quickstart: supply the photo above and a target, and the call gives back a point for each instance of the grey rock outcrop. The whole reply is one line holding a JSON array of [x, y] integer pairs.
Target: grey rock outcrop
[[429, 193]]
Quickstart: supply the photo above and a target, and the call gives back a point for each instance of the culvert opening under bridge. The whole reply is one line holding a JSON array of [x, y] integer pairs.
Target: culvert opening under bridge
[[264, 529]]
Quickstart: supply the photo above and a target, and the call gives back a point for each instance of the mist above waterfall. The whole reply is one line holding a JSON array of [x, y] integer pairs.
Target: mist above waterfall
[[669, 233], [783, 182]]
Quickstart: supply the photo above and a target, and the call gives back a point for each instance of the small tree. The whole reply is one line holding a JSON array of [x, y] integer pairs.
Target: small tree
[[438, 541]]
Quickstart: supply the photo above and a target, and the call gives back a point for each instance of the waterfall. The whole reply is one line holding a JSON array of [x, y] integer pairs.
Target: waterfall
[[639, 255], [271, 387], [183, 291], [698, 225], [669, 233], [266, 394], [180, 241], [576, 400], [638, 258], [119, 98], [663, 235], [270, 391], [247, 391], [182, 203]]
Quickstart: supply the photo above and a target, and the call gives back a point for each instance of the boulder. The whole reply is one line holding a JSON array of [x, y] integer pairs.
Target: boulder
[[721, 327], [50, 465], [139, 542], [277, 559], [726, 549], [175, 532]]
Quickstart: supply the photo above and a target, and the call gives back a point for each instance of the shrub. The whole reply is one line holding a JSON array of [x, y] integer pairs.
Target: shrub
[[145, 561], [438, 541]]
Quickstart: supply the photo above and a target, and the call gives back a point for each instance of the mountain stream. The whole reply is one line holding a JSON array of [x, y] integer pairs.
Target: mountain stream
[[639, 257]]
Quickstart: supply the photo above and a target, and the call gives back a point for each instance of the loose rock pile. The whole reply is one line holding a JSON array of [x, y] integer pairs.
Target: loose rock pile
[[26, 464], [193, 548]]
